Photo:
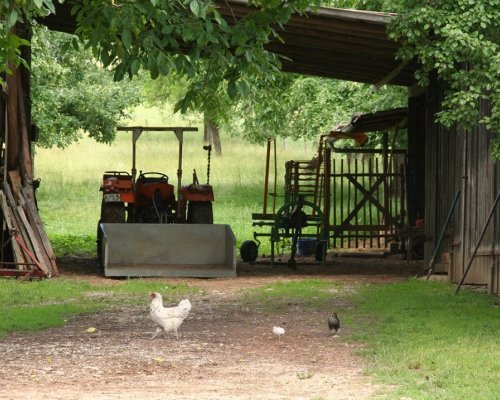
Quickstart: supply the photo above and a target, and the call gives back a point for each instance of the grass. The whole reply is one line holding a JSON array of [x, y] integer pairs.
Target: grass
[[69, 198], [429, 342], [35, 305], [420, 339], [308, 293]]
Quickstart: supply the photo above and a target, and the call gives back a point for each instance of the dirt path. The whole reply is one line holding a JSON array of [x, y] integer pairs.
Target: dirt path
[[225, 349]]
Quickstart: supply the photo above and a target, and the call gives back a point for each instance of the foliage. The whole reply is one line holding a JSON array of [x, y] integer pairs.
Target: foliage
[[428, 341], [12, 12], [189, 37], [285, 105], [295, 106], [72, 93], [459, 40], [73, 245]]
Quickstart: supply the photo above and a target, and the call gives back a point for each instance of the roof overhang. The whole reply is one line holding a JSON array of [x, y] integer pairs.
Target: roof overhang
[[376, 122], [334, 43]]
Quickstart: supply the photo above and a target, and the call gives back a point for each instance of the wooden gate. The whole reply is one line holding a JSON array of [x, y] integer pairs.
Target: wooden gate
[[367, 200]]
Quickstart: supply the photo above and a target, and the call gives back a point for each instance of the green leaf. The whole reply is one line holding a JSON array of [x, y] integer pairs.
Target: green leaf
[[232, 91], [12, 19], [153, 71], [50, 6], [194, 6], [243, 87], [161, 63], [134, 66], [126, 38]]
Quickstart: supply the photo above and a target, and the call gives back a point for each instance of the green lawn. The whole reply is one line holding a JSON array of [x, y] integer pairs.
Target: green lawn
[[429, 342], [40, 304]]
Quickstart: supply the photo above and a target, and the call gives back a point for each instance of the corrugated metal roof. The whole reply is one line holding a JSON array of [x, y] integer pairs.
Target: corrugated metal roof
[[335, 43]]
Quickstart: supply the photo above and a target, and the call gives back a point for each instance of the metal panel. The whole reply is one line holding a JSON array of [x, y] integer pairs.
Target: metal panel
[[182, 250]]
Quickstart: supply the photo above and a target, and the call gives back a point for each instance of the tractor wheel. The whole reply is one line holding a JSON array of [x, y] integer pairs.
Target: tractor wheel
[[249, 251], [200, 212], [113, 213]]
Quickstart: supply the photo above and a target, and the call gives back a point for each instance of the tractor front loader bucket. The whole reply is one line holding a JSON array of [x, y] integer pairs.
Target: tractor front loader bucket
[[181, 250]]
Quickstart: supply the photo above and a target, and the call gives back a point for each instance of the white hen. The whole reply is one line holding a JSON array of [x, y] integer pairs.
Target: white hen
[[168, 319], [278, 330]]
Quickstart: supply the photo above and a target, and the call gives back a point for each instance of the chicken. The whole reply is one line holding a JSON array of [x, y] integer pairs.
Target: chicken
[[334, 322], [168, 318], [277, 330]]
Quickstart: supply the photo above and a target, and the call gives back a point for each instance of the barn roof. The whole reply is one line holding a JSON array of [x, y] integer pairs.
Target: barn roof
[[334, 43], [377, 121]]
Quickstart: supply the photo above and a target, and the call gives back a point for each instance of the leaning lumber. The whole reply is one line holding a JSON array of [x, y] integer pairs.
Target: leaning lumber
[[36, 221], [7, 216]]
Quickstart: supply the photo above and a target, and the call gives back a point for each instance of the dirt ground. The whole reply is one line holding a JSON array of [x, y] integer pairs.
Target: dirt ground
[[225, 350]]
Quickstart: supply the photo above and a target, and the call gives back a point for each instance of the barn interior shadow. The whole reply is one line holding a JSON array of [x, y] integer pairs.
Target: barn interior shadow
[[335, 264]]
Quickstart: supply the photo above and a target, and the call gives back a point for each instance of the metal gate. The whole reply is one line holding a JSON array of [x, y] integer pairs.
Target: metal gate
[[367, 204]]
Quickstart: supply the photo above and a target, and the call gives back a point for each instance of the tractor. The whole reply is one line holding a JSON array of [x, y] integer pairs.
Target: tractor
[[151, 198]]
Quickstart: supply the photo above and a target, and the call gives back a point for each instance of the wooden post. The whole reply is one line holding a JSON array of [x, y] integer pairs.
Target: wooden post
[[25, 161], [327, 182], [12, 136], [266, 177]]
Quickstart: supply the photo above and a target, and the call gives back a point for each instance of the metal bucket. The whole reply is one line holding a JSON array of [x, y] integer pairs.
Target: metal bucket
[[181, 250]]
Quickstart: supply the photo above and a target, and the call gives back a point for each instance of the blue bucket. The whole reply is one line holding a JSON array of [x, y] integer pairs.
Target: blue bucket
[[306, 246]]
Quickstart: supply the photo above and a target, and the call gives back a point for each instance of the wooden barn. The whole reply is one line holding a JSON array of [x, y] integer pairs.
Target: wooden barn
[[353, 45], [457, 163]]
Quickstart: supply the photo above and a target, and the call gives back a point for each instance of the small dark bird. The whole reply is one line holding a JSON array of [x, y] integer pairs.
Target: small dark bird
[[334, 323]]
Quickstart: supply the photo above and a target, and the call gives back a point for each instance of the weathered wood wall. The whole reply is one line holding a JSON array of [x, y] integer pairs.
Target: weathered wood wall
[[460, 160]]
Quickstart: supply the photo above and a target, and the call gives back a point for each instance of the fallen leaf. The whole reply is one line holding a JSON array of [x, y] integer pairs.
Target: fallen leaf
[[160, 360], [90, 330]]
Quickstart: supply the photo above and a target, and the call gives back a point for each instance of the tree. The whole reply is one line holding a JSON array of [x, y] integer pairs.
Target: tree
[[458, 39], [188, 37], [12, 12], [73, 94], [305, 107]]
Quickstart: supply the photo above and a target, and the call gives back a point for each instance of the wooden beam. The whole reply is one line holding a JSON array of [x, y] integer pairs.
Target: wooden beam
[[12, 142], [25, 161]]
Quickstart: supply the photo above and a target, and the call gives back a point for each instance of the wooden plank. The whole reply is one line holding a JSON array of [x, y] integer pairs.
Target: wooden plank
[[25, 151], [31, 239], [7, 214], [36, 221], [38, 250], [15, 180], [12, 136], [23, 233]]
